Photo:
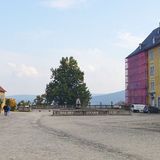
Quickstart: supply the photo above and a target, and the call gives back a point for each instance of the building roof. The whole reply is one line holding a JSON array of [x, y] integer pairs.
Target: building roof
[[151, 41], [2, 90]]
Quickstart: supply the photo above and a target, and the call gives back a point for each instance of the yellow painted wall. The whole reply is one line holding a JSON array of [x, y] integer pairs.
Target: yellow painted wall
[[2, 95], [156, 77]]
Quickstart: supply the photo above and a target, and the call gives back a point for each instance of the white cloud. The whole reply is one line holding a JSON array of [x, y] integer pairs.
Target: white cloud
[[128, 40], [28, 71], [23, 70], [12, 64], [63, 4], [23, 73]]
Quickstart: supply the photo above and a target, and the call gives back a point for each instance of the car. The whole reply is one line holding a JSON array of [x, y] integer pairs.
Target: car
[[137, 107], [150, 109], [153, 110]]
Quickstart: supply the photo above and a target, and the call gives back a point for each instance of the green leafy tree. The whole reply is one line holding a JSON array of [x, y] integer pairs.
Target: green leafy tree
[[12, 103], [67, 84], [40, 100], [7, 101], [24, 103]]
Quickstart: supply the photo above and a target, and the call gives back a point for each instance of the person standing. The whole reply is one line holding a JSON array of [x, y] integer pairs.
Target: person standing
[[6, 110]]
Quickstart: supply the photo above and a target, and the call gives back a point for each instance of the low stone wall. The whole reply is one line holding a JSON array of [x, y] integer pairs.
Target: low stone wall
[[89, 112], [24, 109]]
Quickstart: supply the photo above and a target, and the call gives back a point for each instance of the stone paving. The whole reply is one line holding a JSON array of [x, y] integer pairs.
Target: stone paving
[[40, 136]]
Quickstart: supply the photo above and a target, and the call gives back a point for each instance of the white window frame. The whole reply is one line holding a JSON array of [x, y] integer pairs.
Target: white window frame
[[152, 86], [151, 55], [152, 70]]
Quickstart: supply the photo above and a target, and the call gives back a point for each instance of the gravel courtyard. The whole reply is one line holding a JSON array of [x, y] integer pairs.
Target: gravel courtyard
[[40, 136]]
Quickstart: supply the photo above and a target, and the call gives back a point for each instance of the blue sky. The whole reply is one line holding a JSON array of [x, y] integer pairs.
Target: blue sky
[[99, 34]]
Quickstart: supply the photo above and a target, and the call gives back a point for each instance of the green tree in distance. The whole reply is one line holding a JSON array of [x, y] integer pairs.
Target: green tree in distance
[[24, 103], [67, 84], [40, 100]]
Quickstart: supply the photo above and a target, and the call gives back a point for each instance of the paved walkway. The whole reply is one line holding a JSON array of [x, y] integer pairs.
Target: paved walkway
[[40, 136]]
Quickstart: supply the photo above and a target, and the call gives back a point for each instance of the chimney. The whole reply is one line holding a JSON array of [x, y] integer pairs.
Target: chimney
[[140, 46], [154, 40]]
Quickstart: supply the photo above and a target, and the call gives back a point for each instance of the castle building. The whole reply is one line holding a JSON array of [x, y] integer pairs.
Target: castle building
[[142, 72], [2, 97]]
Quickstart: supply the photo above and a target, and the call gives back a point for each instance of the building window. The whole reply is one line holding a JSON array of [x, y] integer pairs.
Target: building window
[[152, 86], [151, 55], [152, 71]]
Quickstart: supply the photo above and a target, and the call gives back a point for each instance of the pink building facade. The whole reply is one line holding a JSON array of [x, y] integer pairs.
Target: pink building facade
[[136, 78]]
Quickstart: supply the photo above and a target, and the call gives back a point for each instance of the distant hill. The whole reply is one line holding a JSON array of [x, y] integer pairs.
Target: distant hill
[[19, 98], [105, 99]]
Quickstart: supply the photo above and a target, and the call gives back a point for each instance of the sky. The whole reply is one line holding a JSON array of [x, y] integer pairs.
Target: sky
[[99, 34]]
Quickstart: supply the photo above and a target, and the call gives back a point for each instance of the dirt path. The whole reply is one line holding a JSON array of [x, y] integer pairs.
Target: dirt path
[[40, 136]]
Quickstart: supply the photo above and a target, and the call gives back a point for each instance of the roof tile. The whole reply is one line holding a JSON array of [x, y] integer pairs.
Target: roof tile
[[148, 42]]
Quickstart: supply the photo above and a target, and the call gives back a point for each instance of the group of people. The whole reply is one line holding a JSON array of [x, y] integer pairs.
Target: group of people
[[6, 109]]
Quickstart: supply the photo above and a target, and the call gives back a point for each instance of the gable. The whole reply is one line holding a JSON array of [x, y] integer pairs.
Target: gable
[[2, 90]]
